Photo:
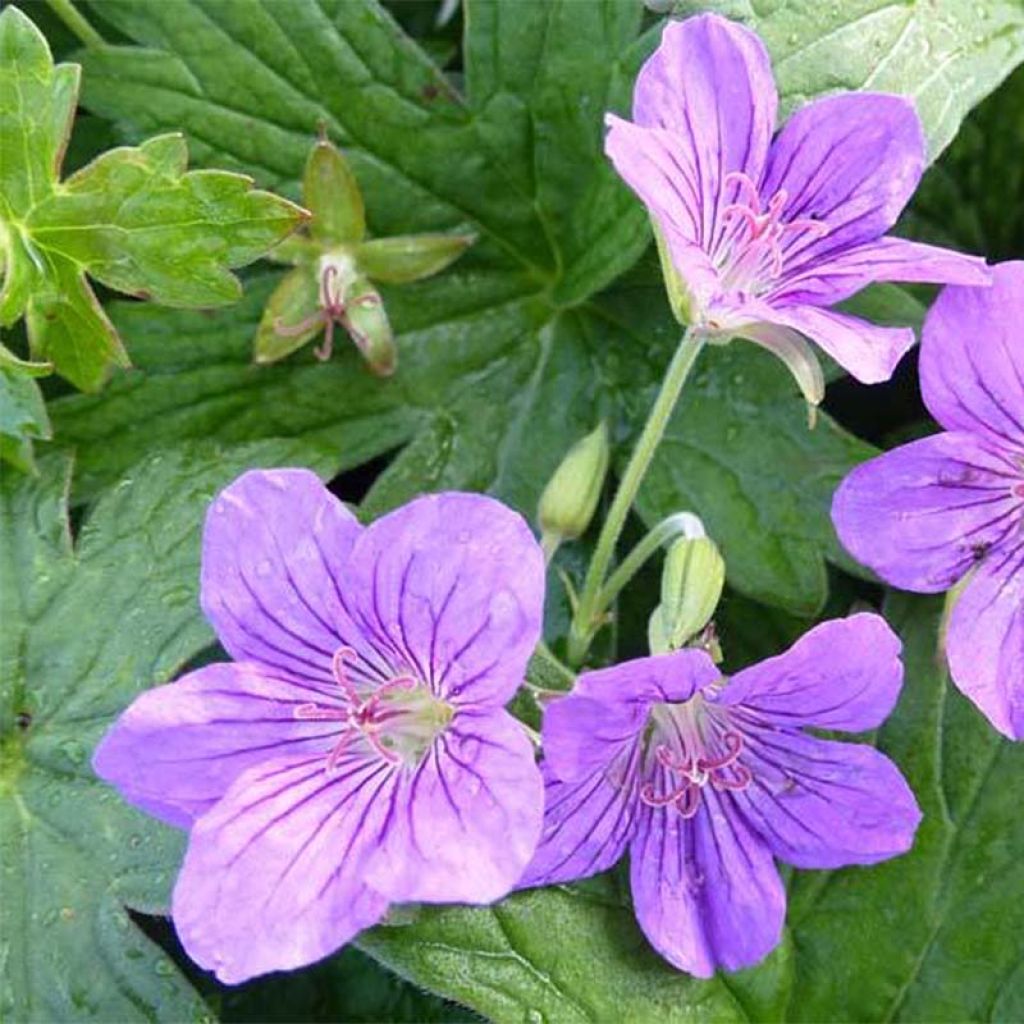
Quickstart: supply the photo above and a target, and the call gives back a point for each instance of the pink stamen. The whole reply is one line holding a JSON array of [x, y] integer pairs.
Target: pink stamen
[[1018, 490], [733, 745], [689, 801]]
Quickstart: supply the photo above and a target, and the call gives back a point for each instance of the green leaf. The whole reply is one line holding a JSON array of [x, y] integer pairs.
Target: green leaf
[[23, 414], [558, 954], [87, 626], [946, 55], [935, 934], [133, 218]]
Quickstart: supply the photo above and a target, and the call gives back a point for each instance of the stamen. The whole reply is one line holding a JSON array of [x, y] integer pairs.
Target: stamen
[[1018, 490], [733, 745], [689, 801]]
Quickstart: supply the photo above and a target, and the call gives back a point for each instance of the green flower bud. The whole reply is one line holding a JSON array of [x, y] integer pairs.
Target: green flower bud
[[691, 586], [405, 258], [331, 194], [570, 498]]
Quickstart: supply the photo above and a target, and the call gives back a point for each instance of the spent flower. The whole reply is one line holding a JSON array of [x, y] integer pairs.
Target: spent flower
[[705, 783], [356, 752], [760, 237], [335, 267], [947, 511]]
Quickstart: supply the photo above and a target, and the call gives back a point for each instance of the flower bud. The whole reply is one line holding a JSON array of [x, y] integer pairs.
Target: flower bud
[[691, 585], [570, 498]]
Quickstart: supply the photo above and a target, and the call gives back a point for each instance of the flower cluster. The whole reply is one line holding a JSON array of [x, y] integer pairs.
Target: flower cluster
[[356, 753]]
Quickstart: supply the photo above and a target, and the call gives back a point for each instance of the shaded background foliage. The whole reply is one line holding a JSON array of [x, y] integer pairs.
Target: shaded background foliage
[[555, 319]]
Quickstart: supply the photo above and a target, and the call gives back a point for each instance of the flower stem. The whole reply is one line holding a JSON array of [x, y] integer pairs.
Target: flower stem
[[75, 20], [585, 621]]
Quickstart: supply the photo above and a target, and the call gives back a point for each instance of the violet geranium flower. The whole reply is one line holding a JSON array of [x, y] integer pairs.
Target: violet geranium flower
[[765, 236], [949, 509], [356, 753], [705, 783]]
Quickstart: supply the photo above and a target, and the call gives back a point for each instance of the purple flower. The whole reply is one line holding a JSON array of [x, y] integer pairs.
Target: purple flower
[[705, 783], [764, 235], [950, 508], [356, 753]]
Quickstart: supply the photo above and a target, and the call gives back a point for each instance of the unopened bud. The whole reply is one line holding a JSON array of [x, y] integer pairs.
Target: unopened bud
[[570, 498], [691, 586], [331, 194]]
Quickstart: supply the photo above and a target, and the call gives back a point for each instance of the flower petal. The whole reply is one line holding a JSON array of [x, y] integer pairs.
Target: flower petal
[[656, 164], [274, 876], [582, 734], [972, 358], [462, 827], [275, 548], [177, 749], [820, 804], [661, 677], [923, 514], [451, 587], [850, 161], [985, 641], [887, 259], [710, 85], [587, 822], [869, 352], [843, 674], [706, 891]]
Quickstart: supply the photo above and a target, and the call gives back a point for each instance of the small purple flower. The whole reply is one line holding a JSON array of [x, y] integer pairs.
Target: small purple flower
[[764, 235], [705, 783], [949, 509], [356, 753]]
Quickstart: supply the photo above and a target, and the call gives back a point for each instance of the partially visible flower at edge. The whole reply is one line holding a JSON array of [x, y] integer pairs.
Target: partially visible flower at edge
[[758, 237], [356, 753], [705, 783], [948, 510]]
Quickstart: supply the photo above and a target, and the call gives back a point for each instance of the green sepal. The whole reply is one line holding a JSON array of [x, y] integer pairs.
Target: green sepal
[[295, 302], [369, 327], [331, 194], [404, 258]]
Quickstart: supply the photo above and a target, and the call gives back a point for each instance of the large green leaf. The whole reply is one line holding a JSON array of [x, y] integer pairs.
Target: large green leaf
[[945, 54], [934, 935], [133, 219], [87, 625]]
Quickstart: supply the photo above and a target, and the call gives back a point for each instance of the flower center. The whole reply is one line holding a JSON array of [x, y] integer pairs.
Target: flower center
[[696, 748], [399, 719], [749, 255]]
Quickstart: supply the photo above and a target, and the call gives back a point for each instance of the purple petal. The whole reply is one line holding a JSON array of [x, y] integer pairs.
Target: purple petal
[[888, 259], [661, 677], [657, 165], [582, 734], [844, 674], [275, 549], [985, 641], [923, 514], [704, 108], [850, 161], [869, 352], [178, 748], [462, 827], [588, 822], [451, 588], [706, 891], [972, 358], [274, 875], [819, 804]]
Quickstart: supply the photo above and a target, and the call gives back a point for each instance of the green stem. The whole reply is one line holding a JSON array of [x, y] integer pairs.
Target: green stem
[[583, 625], [75, 20], [673, 526]]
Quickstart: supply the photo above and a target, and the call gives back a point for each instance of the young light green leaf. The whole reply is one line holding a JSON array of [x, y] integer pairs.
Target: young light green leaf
[[133, 219], [87, 626]]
